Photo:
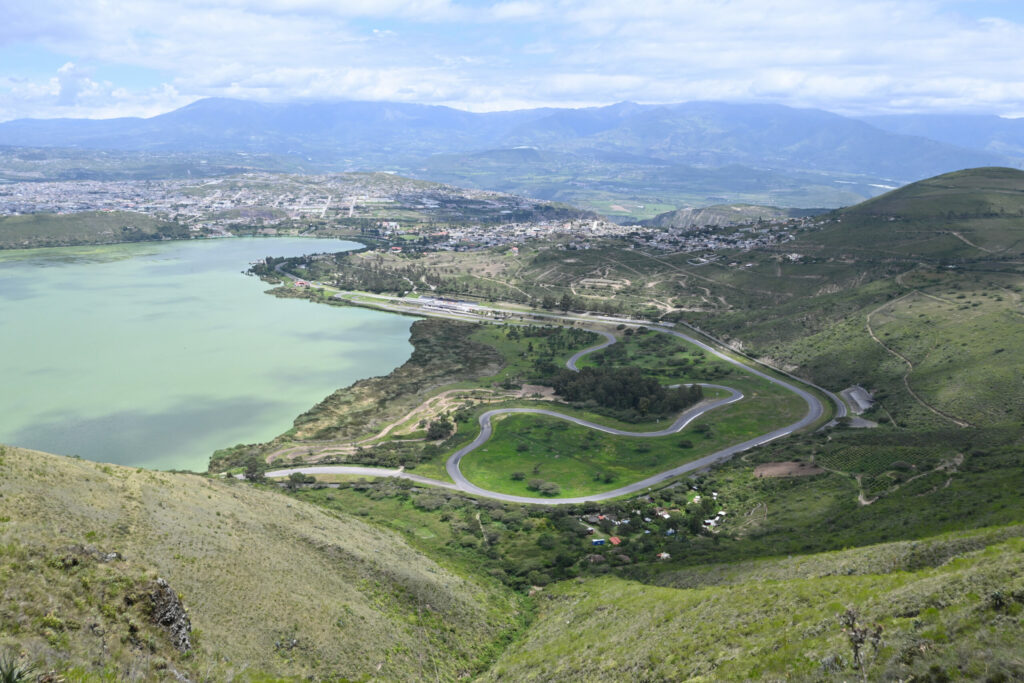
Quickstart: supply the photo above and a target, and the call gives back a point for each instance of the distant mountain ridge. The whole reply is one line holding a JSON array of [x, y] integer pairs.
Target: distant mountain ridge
[[696, 133], [989, 133], [660, 154]]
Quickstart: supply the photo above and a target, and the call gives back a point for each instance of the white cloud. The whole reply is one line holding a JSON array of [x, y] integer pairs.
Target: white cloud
[[864, 56]]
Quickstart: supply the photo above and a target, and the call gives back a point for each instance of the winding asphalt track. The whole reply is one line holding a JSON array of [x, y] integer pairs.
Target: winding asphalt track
[[815, 411]]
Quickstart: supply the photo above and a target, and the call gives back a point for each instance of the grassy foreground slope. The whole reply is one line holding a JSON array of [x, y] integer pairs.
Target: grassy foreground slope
[[272, 584], [88, 227], [961, 619]]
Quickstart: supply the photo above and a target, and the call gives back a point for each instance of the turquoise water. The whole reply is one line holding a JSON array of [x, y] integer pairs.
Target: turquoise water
[[155, 355]]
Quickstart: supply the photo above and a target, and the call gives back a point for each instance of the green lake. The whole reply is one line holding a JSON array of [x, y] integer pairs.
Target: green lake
[[157, 354]]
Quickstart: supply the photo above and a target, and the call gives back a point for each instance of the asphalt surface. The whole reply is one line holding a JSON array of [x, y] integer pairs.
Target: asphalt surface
[[609, 339], [487, 428], [815, 411]]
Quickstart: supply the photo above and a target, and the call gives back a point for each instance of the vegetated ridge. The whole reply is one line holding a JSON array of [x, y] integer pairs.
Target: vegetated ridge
[[725, 215], [273, 587], [90, 227]]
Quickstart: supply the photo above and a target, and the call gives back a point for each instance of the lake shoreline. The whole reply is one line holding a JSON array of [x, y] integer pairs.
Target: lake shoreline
[[231, 364]]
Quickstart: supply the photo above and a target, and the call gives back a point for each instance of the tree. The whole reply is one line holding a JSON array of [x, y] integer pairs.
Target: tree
[[550, 488], [643, 404], [296, 479], [440, 428], [254, 471]]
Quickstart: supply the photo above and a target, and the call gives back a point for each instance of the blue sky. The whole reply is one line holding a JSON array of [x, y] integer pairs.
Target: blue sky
[[98, 58]]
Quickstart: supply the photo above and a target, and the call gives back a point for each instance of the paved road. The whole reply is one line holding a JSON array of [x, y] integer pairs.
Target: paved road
[[609, 339], [400, 305], [815, 410], [358, 471], [486, 429]]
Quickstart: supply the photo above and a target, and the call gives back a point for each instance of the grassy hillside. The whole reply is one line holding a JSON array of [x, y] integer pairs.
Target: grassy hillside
[[272, 585], [958, 620], [965, 215], [88, 227], [985, 191], [724, 215]]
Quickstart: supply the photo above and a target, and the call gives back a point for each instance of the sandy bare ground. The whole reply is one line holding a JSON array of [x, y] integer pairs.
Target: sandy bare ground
[[602, 282], [445, 401], [787, 469]]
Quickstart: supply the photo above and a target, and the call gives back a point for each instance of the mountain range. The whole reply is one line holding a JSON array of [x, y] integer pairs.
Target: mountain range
[[657, 157]]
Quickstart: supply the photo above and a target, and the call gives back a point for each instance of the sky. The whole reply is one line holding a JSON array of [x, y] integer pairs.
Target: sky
[[109, 58]]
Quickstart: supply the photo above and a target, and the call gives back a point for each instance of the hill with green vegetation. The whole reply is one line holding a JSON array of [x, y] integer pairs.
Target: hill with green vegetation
[[959, 619], [87, 227], [273, 587], [904, 539], [721, 215], [967, 215], [975, 192]]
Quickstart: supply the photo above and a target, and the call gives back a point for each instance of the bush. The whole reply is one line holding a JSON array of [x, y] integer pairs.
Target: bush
[[440, 429], [550, 488], [13, 671]]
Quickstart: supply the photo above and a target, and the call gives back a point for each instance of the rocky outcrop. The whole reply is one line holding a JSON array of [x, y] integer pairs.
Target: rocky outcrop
[[169, 613]]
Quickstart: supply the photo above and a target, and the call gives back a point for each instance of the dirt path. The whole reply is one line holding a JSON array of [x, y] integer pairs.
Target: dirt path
[[431, 407], [505, 284], [970, 243], [910, 366]]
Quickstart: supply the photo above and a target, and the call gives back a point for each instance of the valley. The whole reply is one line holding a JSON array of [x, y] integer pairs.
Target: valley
[[505, 341], [522, 530]]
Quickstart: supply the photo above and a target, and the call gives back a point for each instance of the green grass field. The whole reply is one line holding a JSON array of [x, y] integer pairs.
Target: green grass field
[[582, 461]]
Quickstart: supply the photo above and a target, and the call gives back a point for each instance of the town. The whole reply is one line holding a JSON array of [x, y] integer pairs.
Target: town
[[409, 215]]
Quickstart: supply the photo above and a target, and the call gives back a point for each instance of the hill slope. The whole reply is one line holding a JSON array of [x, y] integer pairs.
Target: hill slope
[[88, 227], [989, 133], [935, 624], [722, 215], [973, 192], [271, 584], [969, 214]]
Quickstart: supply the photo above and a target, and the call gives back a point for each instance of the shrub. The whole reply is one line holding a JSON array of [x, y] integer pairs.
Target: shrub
[[550, 488]]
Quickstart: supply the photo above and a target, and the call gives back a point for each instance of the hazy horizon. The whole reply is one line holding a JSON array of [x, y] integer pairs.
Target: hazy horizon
[[100, 60], [342, 100]]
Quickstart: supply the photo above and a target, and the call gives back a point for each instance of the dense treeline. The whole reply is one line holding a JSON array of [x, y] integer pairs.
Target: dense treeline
[[624, 390]]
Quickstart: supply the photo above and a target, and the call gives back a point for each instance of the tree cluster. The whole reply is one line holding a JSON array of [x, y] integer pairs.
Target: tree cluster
[[624, 390]]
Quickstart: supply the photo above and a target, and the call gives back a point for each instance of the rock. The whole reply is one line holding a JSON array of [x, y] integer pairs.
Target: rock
[[169, 613]]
